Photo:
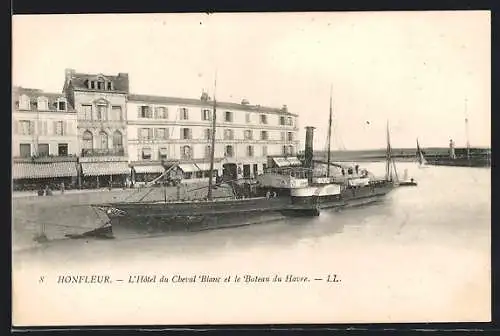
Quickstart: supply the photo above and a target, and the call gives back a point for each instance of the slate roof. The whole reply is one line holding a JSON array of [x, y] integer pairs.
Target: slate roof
[[34, 94], [201, 103], [78, 81]]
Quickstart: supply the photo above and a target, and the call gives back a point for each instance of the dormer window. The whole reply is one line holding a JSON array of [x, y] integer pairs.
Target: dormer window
[[92, 85], [43, 103], [24, 102], [61, 106], [100, 85], [110, 86]]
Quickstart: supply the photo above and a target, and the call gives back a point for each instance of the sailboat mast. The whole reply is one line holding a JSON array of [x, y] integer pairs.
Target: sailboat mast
[[212, 146], [329, 135], [388, 155]]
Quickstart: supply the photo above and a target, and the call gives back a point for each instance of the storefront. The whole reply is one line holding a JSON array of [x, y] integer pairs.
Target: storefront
[[39, 175], [199, 172], [143, 173], [112, 174]]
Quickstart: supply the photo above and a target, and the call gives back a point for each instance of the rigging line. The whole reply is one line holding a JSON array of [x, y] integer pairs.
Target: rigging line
[[146, 194]]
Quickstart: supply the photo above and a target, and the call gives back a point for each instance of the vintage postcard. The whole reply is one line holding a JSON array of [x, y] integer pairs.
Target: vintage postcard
[[251, 168]]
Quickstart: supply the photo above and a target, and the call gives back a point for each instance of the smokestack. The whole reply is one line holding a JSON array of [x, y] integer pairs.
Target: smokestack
[[309, 150]]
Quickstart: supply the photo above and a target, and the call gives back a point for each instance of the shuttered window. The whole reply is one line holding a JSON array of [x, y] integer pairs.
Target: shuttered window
[[59, 128]]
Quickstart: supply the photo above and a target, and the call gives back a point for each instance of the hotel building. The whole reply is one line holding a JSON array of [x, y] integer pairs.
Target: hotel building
[[111, 136], [100, 102], [44, 139], [163, 130]]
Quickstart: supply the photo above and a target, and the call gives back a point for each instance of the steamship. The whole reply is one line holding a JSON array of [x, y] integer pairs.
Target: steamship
[[348, 186]]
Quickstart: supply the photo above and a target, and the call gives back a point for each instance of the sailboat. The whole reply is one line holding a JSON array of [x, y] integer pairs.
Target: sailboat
[[422, 162]]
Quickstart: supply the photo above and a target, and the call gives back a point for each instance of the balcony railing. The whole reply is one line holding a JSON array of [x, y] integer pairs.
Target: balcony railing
[[103, 152]]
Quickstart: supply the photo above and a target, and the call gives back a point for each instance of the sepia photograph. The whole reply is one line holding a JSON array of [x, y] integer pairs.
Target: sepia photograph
[[251, 168]]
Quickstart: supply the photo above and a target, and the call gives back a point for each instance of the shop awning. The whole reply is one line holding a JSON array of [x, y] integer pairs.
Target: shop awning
[[294, 161], [281, 162], [150, 169], [205, 166], [146, 151], [188, 167], [163, 151], [23, 170], [105, 168]]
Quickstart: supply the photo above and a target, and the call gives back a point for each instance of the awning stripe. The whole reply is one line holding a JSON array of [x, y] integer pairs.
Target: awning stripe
[[281, 162], [43, 170], [188, 167], [149, 169], [105, 168], [206, 166], [294, 161]]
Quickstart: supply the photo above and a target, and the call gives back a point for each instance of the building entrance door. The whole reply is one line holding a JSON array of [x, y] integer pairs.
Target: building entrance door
[[229, 171], [246, 171]]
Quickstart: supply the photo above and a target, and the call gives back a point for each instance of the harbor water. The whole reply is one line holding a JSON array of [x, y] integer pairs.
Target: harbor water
[[422, 254]]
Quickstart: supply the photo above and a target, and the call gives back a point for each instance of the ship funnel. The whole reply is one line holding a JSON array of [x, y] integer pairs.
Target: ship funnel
[[309, 150]]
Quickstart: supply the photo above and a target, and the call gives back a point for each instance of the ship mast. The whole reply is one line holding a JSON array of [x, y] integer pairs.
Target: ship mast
[[212, 146], [329, 135], [388, 156]]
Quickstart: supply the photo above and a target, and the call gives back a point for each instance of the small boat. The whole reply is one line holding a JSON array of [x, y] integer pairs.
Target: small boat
[[410, 183], [406, 182], [103, 232]]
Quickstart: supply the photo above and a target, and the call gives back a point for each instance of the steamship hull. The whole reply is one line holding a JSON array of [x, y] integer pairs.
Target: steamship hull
[[201, 215], [333, 196]]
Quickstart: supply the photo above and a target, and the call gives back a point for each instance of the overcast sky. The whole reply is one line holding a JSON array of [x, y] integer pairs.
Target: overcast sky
[[415, 69]]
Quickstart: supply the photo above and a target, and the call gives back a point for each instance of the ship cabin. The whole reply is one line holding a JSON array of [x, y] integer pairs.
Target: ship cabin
[[347, 175], [282, 175]]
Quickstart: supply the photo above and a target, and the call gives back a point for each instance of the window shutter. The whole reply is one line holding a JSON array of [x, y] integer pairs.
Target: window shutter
[[150, 133], [16, 127], [45, 127], [138, 134], [202, 114], [138, 111], [32, 127], [70, 128]]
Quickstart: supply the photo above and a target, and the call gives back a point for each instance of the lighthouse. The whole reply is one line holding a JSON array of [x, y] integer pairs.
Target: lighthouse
[[452, 149]]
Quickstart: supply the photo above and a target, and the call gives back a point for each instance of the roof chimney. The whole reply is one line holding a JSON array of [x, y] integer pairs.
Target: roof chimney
[[204, 96], [69, 73], [284, 108], [245, 102]]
